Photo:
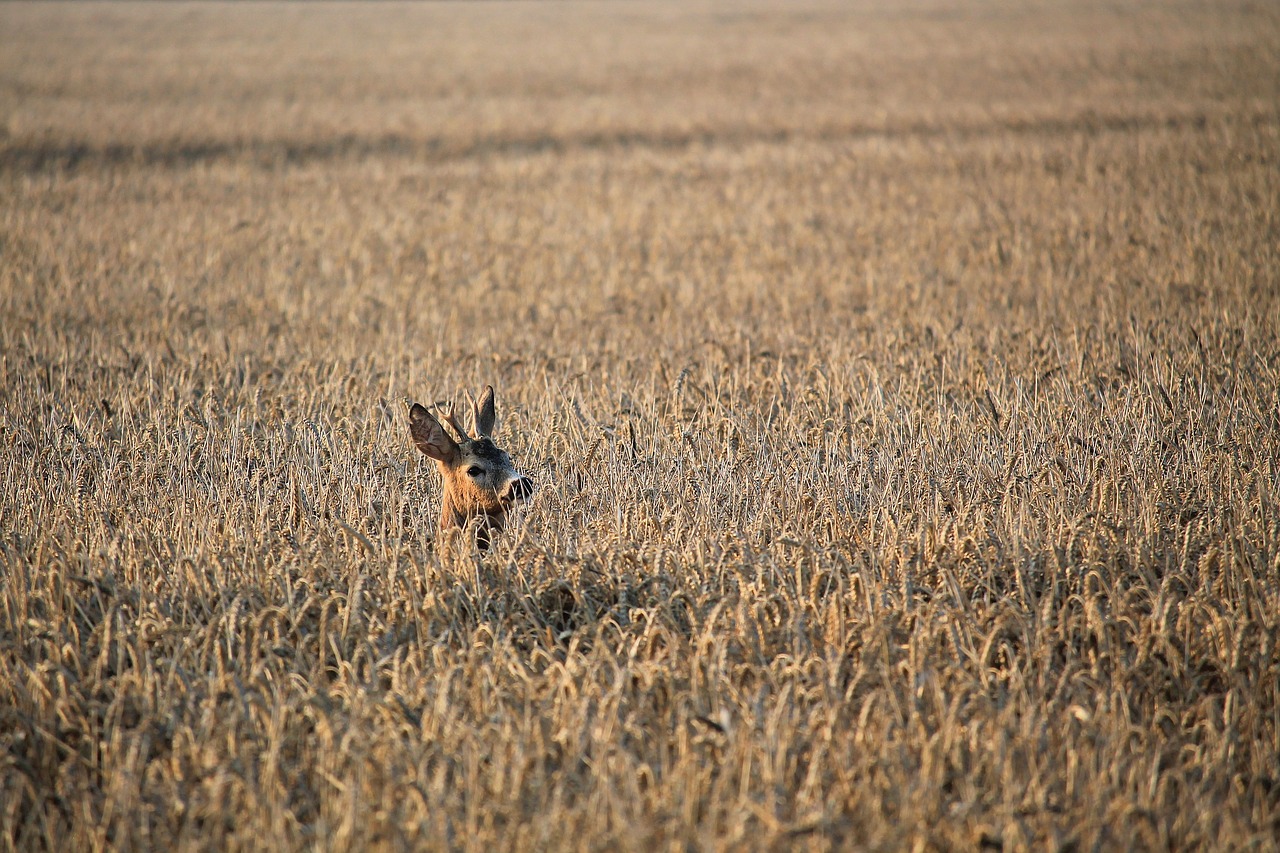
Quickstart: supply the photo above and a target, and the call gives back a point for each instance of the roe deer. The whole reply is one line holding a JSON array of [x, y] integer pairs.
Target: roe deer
[[479, 480]]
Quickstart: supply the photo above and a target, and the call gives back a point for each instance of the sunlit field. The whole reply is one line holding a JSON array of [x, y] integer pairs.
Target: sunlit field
[[901, 382]]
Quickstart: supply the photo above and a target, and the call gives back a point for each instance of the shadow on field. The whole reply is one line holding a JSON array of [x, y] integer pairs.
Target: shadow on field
[[69, 155]]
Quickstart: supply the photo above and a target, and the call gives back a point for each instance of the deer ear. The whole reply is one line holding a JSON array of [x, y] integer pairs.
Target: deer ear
[[485, 413], [430, 436]]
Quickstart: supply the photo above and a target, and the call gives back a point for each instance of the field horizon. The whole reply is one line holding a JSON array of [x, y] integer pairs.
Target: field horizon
[[901, 382]]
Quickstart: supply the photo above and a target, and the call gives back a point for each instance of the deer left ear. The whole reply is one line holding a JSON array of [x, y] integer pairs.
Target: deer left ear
[[430, 436], [485, 413]]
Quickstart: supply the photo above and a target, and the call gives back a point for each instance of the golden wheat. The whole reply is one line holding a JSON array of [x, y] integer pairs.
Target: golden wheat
[[902, 379]]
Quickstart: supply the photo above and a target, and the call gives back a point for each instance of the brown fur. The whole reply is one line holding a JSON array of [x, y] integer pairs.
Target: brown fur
[[480, 483]]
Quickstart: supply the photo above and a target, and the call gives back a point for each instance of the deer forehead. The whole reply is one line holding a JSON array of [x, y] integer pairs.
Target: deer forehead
[[485, 451]]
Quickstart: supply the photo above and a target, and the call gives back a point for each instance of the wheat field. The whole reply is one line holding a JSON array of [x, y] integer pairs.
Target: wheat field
[[901, 381]]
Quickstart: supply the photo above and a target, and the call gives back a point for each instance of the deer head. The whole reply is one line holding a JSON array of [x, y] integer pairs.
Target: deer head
[[480, 482]]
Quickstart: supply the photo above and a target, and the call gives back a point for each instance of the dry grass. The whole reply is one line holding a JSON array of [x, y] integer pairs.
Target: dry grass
[[903, 379]]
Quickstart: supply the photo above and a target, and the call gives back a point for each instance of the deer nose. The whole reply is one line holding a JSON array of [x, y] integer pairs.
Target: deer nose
[[518, 489]]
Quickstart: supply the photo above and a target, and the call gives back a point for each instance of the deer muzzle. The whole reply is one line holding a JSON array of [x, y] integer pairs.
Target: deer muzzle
[[518, 489]]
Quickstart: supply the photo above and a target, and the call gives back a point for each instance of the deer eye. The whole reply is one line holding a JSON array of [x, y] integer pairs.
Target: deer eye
[[475, 471]]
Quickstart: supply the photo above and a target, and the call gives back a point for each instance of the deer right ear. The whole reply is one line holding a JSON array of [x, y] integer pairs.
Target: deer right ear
[[483, 411], [430, 436]]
